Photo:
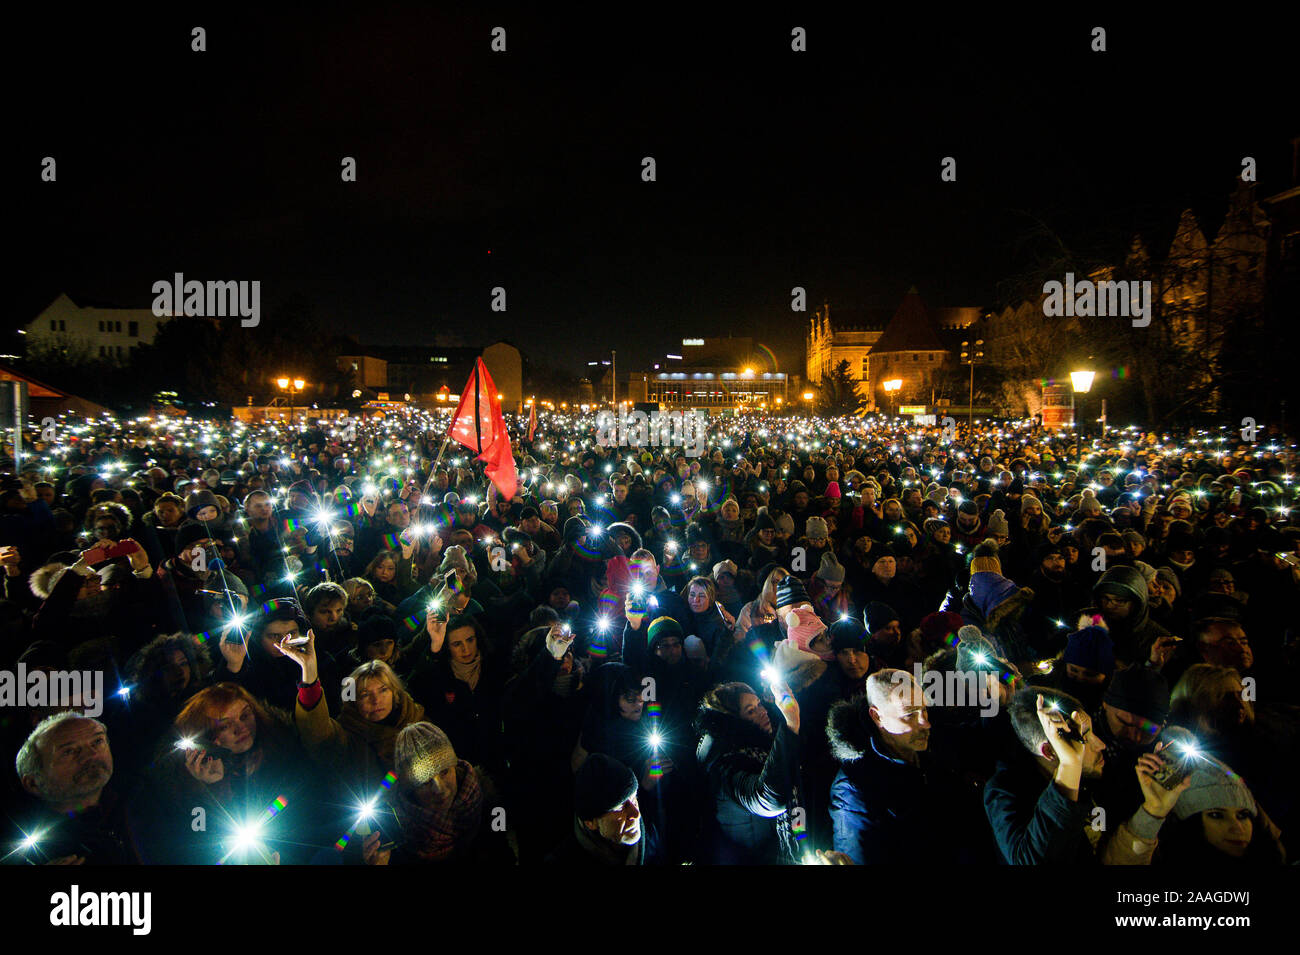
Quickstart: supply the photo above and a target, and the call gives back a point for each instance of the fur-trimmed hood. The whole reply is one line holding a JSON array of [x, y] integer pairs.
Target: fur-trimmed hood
[[848, 729], [722, 733]]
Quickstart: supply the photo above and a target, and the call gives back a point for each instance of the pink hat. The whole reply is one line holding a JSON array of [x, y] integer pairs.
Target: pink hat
[[802, 626], [833, 489]]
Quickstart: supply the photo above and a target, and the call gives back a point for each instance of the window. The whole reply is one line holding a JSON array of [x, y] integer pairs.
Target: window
[[133, 329], [118, 328], [54, 326], [101, 326], [916, 358], [119, 347], [102, 351]]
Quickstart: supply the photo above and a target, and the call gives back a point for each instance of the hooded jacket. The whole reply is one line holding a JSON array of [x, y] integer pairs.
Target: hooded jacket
[[1134, 635], [751, 782], [995, 605]]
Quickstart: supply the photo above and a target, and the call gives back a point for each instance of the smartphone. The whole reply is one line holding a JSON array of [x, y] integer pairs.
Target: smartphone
[[1290, 559], [296, 642]]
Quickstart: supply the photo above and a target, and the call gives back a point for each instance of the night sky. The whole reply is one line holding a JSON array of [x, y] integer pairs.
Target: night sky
[[522, 169]]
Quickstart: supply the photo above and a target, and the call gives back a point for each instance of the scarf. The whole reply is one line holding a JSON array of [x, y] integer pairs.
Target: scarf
[[607, 852], [468, 672], [436, 834]]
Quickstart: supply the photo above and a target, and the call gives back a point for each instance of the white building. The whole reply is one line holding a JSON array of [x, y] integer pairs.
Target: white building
[[108, 333]]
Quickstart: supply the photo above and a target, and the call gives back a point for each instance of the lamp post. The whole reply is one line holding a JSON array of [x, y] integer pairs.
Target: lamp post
[[291, 385], [1082, 383], [892, 387], [970, 353]]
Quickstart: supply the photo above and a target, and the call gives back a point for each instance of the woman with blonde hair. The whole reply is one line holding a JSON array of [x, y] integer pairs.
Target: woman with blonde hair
[[359, 744]]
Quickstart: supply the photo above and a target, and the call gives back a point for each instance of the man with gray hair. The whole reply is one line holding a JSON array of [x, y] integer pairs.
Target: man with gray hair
[[65, 765], [892, 800]]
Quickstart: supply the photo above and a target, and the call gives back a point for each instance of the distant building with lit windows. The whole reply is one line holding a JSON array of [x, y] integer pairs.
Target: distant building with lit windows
[[722, 374], [92, 332]]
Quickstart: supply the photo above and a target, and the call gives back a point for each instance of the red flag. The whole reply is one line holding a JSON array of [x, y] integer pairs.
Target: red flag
[[479, 426], [532, 420]]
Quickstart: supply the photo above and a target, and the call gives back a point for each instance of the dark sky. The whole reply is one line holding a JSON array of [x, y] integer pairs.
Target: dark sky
[[775, 169]]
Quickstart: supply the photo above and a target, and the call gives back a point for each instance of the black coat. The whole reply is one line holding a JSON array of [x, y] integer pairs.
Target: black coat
[[750, 795]]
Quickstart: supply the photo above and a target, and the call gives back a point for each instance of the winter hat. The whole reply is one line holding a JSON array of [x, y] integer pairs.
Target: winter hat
[[1133, 537], [968, 507], [1214, 786], [724, 567], [662, 627], [695, 534], [574, 528], [1091, 648], [816, 529], [879, 615], [1139, 690], [833, 490], [802, 627], [375, 627], [188, 533], [985, 558], [451, 499], [695, 649], [830, 570], [876, 553], [1170, 578], [763, 520], [1146, 570], [848, 633], [790, 591], [938, 627], [602, 785], [785, 525], [454, 557], [976, 651], [998, 526]]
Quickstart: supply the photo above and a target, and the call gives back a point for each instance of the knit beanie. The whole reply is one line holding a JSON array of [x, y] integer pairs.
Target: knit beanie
[[1091, 648], [1139, 690], [785, 524], [1214, 786], [833, 490], [879, 615], [574, 528], [790, 591], [454, 558], [816, 530], [1170, 579], [940, 628], [662, 627], [847, 634], [188, 533], [985, 558], [601, 785], [998, 526], [802, 627], [830, 570], [763, 520], [976, 651]]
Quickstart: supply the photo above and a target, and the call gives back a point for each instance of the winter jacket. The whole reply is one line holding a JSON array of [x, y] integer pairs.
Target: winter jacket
[[1035, 824], [351, 745], [751, 785]]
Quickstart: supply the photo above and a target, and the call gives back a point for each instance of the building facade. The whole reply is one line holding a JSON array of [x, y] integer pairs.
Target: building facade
[[110, 334]]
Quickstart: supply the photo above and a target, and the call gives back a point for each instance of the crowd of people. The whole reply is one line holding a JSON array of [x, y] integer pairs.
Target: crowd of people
[[836, 642]]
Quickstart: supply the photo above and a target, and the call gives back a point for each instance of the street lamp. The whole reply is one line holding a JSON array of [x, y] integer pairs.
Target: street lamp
[[291, 386], [1082, 382], [970, 354], [892, 386]]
